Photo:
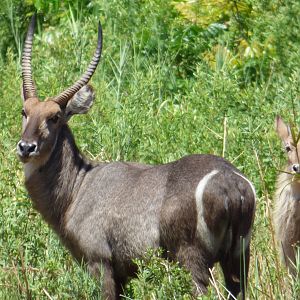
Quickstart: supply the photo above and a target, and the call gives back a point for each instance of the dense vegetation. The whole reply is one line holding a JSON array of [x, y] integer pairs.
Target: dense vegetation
[[175, 78]]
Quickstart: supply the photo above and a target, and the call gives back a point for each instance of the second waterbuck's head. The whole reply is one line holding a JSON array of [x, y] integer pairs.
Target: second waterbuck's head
[[42, 120], [290, 143]]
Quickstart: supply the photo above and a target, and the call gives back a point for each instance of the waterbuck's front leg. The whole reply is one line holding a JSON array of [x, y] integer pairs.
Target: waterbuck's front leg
[[110, 287]]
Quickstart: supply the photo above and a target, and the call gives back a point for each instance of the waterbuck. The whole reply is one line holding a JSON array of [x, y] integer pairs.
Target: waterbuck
[[287, 198], [199, 209]]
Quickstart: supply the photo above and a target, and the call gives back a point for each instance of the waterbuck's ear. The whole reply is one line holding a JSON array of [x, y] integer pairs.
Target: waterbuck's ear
[[81, 102], [283, 130]]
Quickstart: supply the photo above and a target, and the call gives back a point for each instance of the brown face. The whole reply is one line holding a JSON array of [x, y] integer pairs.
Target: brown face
[[41, 124], [292, 150], [293, 153]]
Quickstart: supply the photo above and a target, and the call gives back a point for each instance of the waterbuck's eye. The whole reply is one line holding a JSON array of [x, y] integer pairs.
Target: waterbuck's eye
[[23, 113], [288, 148], [54, 119]]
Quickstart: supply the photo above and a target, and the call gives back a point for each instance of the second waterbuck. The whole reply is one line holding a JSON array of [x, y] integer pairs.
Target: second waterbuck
[[199, 209], [287, 198]]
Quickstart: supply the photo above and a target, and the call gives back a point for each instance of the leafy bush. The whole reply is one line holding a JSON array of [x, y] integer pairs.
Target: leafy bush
[[159, 279], [259, 36]]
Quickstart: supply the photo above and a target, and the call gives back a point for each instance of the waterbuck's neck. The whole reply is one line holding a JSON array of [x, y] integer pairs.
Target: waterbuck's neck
[[53, 185]]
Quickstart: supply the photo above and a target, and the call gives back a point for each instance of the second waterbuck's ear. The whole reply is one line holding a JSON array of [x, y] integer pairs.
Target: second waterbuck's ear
[[283, 130], [81, 102]]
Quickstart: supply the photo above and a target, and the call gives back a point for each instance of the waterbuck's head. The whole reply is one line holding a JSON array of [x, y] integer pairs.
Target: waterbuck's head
[[43, 120], [291, 145]]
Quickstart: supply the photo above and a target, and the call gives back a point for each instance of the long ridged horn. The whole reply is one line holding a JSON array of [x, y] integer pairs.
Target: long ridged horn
[[63, 98], [28, 84]]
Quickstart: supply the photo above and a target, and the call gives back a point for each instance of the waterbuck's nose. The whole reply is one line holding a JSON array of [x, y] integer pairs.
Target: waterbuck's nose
[[26, 149], [296, 168]]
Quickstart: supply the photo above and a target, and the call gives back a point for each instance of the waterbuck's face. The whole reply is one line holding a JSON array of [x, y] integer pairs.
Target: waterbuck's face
[[291, 147], [43, 120], [40, 127]]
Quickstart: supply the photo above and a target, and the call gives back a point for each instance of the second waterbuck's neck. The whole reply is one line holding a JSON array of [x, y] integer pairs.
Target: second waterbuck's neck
[[53, 185], [288, 186]]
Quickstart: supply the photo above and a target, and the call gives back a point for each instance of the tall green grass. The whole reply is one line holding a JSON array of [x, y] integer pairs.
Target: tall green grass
[[157, 100]]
